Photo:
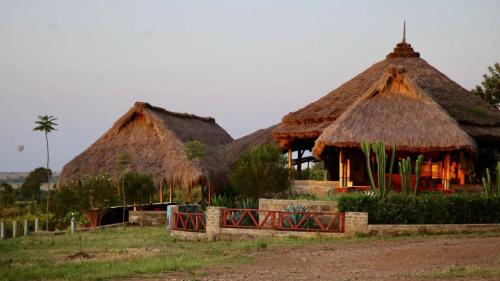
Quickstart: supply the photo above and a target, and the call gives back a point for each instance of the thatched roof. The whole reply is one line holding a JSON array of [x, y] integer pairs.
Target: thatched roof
[[154, 137], [233, 150], [479, 118], [396, 110]]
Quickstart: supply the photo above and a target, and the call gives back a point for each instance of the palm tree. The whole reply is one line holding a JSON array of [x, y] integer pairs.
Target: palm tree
[[46, 124]]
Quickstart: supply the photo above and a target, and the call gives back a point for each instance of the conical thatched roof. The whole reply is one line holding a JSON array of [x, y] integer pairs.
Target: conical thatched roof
[[476, 116], [154, 137], [397, 111]]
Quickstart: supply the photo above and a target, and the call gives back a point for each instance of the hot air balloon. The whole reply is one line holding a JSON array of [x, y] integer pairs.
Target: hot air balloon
[[20, 148]]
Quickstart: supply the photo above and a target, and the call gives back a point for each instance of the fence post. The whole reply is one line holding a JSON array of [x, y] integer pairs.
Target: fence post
[[25, 227], [14, 229], [73, 225], [213, 223], [37, 225], [2, 231]]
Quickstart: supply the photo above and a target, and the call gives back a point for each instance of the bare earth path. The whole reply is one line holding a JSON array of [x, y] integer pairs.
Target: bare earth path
[[467, 258]]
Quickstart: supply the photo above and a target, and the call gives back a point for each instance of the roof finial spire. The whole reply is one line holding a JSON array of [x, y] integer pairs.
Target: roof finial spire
[[404, 31]]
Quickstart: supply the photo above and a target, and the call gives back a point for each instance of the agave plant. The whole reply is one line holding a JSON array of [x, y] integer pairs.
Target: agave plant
[[296, 216]]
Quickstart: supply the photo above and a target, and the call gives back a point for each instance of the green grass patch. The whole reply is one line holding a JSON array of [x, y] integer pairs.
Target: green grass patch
[[464, 272]]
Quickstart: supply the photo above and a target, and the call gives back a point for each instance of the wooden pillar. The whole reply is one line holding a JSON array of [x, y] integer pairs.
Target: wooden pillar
[[161, 191], [341, 168], [446, 172], [348, 172], [170, 191], [299, 162], [290, 160]]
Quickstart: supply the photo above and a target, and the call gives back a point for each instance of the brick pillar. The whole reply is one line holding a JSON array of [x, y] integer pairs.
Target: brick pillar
[[213, 215], [356, 222]]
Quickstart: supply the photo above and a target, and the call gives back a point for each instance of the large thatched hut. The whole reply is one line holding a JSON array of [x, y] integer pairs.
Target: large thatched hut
[[155, 138], [400, 100]]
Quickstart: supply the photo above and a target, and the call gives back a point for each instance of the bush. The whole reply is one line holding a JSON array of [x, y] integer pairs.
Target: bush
[[429, 208], [259, 171]]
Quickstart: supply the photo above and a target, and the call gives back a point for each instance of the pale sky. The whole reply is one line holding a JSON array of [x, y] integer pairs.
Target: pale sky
[[245, 63]]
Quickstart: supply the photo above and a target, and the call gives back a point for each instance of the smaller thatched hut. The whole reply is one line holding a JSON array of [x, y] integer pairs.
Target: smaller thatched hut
[[396, 111], [155, 139]]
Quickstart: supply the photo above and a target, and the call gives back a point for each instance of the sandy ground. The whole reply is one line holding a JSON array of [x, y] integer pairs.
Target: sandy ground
[[408, 259]]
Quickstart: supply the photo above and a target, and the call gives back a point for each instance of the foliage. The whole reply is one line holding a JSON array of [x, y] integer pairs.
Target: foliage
[[31, 186], [138, 187], [45, 123], [488, 188], [296, 217], [490, 87], [428, 208], [248, 203], [315, 172], [78, 218], [222, 201], [7, 195], [181, 194], [259, 171], [70, 198], [100, 192], [194, 150], [381, 157]]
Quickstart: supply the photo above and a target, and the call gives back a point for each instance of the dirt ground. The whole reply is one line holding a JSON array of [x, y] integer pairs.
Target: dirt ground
[[467, 258]]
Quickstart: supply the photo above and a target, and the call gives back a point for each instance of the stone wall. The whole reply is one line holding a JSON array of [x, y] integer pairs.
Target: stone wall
[[356, 222], [314, 206], [319, 188], [400, 229], [148, 217]]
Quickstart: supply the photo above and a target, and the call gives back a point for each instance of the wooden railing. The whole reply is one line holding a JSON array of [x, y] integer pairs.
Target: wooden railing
[[281, 220], [190, 222]]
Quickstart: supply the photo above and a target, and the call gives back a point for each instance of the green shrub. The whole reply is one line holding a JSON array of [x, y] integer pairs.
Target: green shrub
[[222, 201], [429, 208], [260, 171]]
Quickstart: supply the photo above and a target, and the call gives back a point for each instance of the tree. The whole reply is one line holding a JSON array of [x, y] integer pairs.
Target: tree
[[490, 89], [46, 124], [100, 193], [123, 162], [195, 151], [69, 198], [260, 171], [7, 195], [31, 186], [139, 188]]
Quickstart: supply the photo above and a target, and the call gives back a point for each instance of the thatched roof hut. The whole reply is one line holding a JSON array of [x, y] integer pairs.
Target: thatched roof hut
[[474, 115], [233, 150], [154, 137], [396, 110]]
